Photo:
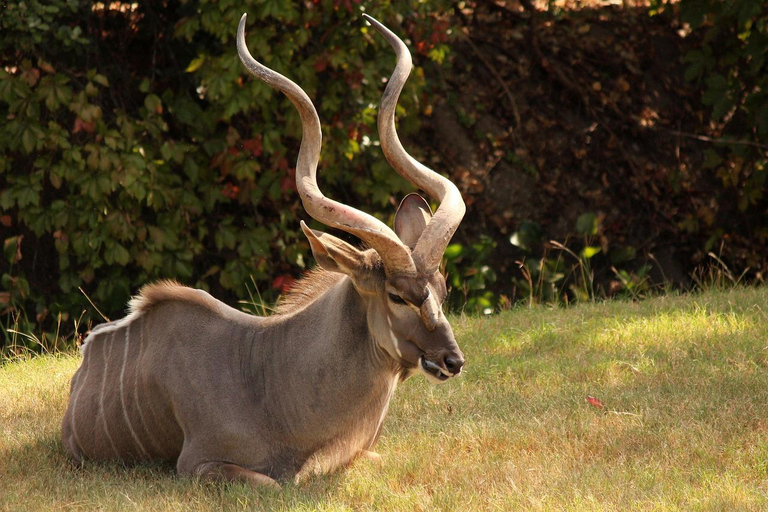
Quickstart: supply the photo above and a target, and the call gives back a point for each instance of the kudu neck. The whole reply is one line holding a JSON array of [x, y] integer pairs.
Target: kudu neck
[[334, 326], [325, 359]]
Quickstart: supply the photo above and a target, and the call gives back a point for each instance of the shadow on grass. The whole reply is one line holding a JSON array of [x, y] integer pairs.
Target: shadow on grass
[[43, 463]]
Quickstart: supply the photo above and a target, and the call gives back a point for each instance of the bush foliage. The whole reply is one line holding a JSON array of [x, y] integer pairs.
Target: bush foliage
[[731, 67], [136, 146]]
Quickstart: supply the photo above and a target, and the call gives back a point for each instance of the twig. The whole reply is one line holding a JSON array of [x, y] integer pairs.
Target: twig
[[550, 65], [92, 304], [704, 138], [498, 78], [625, 413]]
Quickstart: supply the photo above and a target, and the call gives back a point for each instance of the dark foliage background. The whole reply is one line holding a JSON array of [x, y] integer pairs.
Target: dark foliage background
[[633, 135], [136, 147], [599, 149]]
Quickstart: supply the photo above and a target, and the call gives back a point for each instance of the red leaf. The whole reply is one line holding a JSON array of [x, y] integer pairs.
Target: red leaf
[[320, 64], [253, 145], [283, 283], [288, 184], [31, 76], [230, 191], [82, 126], [595, 402]]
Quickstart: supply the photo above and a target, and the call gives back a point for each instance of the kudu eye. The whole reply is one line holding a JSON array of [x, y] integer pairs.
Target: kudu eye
[[396, 299]]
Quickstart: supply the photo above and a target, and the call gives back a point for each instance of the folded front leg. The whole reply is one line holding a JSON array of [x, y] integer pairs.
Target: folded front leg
[[228, 472], [365, 454]]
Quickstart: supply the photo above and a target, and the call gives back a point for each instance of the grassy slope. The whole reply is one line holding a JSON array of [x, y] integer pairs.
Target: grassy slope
[[684, 381]]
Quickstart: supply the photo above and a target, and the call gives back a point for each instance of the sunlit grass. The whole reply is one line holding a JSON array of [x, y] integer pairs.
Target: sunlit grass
[[683, 381]]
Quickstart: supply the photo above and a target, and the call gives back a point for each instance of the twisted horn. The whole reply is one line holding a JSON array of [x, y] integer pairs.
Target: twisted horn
[[432, 243], [394, 254]]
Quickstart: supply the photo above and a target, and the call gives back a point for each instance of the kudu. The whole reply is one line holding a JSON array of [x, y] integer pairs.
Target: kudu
[[231, 396]]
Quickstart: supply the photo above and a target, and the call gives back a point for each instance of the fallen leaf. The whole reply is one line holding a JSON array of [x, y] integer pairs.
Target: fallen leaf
[[595, 402]]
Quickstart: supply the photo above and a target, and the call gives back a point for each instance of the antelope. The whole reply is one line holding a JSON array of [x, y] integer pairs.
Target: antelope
[[232, 396]]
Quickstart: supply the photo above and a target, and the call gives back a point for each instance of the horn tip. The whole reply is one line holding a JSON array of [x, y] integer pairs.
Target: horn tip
[[373, 21]]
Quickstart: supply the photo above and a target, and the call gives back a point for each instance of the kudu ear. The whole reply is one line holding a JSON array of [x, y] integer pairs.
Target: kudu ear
[[334, 254], [411, 218]]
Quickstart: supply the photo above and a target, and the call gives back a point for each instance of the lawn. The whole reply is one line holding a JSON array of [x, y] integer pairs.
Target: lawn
[[683, 382]]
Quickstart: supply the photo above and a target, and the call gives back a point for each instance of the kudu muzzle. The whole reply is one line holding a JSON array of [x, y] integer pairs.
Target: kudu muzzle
[[442, 358]]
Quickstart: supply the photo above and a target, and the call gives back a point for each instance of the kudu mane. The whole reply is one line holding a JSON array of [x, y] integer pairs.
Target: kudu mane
[[167, 290], [306, 290], [313, 284]]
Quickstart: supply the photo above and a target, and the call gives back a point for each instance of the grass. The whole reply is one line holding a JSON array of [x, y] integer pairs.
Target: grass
[[683, 381]]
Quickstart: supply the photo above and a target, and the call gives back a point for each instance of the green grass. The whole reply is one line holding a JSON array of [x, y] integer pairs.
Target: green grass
[[684, 381]]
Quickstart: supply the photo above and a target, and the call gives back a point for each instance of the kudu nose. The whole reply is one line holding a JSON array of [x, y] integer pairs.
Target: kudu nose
[[453, 364]]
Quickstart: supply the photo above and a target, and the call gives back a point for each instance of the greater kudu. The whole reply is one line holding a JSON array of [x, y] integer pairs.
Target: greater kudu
[[229, 395]]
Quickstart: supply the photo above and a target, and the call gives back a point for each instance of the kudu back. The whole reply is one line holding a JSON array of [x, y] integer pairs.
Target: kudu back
[[227, 395]]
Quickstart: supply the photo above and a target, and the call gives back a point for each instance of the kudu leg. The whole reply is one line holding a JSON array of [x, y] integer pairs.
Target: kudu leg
[[366, 454], [228, 472]]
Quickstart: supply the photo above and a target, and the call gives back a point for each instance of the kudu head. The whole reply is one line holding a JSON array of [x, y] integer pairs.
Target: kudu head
[[398, 277]]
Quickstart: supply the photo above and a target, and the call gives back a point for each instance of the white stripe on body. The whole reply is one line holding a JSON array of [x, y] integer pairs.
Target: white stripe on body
[[122, 398], [103, 387], [136, 389], [109, 327], [392, 387]]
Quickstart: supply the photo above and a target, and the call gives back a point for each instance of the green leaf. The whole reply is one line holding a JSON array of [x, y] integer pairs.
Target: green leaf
[[696, 65], [101, 80], [152, 103], [589, 251], [527, 236], [120, 255], [28, 140], [11, 248], [711, 159], [453, 251], [721, 106], [195, 64], [587, 224], [225, 238], [623, 254]]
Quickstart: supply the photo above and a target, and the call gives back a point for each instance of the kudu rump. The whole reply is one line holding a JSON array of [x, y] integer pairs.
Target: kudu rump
[[228, 395]]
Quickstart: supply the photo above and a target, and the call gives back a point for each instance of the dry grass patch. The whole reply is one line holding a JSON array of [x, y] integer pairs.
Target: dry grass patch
[[683, 380]]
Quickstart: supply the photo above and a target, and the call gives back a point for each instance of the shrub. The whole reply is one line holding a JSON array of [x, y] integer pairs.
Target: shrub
[[732, 68], [136, 147]]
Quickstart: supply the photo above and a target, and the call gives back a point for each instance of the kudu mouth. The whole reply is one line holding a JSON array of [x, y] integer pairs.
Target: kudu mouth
[[434, 370], [437, 367], [451, 367]]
